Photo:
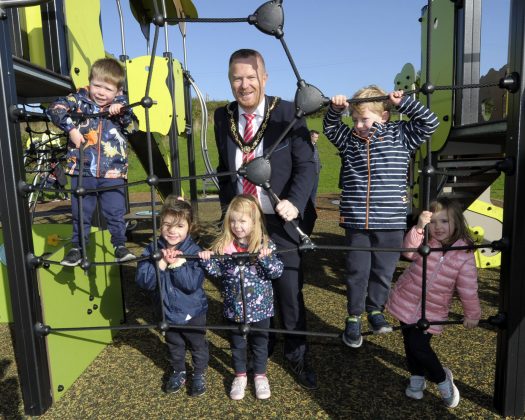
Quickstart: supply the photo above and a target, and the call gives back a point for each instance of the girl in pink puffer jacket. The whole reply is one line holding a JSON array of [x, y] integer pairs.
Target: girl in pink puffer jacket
[[449, 271]]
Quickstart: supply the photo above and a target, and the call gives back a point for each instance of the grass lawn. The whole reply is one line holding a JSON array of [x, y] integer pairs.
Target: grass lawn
[[328, 182], [328, 153]]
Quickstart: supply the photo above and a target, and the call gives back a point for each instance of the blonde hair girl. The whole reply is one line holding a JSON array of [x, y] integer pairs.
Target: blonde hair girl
[[246, 288]]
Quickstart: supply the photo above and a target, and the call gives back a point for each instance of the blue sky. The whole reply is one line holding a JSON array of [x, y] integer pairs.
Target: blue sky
[[337, 45]]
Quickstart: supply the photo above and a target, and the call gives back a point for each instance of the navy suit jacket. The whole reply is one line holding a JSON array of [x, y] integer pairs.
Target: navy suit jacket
[[292, 162]]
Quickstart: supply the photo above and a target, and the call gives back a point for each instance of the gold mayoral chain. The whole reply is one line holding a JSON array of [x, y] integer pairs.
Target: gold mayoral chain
[[244, 146]]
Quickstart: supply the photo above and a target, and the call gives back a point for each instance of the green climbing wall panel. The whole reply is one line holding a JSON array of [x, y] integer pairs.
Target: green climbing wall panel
[[84, 37], [31, 20], [161, 113], [441, 66], [5, 300], [441, 74], [71, 298]]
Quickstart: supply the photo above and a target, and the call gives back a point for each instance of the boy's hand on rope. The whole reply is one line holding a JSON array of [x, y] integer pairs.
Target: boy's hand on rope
[[470, 323], [339, 102], [76, 137], [115, 109], [396, 97]]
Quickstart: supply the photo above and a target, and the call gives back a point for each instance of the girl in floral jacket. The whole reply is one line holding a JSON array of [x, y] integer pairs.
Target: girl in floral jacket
[[246, 288], [449, 271]]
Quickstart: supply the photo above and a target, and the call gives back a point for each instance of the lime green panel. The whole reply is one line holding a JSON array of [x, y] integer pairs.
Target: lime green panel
[[60, 234], [84, 38], [5, 297], [406, 79], [188, 8], [6, 314], [35, 36], [160, 114], [487, 227], [179, 96], [441, 66], [441, 74], [71, 298]]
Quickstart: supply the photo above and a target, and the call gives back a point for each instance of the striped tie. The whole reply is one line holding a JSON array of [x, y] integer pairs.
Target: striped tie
[[247, 186]]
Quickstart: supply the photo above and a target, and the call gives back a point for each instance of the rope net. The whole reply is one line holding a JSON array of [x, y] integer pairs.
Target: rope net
[[50, 149]]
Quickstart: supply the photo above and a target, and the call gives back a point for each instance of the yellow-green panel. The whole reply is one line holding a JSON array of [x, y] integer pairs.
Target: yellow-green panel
[[62, 234], [485, 223], [441, 74], [188, 8], [35, 36], [406, 78], [5, 297], [160, 114], [84, 38], [71, 298], [441, 67], [180, 109]]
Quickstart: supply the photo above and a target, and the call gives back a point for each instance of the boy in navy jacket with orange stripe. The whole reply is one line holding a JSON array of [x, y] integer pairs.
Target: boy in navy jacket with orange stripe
[[104, 143]]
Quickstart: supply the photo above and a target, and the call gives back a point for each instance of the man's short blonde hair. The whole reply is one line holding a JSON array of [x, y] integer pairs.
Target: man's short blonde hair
[[377, 107]]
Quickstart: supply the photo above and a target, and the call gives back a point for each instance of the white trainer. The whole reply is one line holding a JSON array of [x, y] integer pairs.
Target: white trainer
[[262, 387], [416, 387], [448, 390], [238, 387]]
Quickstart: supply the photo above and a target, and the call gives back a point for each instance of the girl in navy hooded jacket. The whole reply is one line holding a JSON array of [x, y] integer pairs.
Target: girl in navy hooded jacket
[[183, 299]]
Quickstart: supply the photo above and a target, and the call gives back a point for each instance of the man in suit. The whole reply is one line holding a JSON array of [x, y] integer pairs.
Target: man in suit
[[314, 137], [292, 177]]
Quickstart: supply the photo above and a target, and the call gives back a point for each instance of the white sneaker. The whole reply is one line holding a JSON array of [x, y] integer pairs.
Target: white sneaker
[[262, 387], [238, 387], [416, 387], [448, 390]]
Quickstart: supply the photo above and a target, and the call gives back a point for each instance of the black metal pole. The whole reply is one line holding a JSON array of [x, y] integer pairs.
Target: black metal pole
[[509, 392], [30, 349], [174, 130], [189, 136]]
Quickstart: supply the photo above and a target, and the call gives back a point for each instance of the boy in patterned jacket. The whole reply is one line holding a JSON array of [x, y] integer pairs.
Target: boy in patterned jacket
[[104, 145], [375, 154]]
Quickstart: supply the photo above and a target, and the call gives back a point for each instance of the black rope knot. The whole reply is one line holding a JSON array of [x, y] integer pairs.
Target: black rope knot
[[41, 329], [33, 261], [158, 20], [511, 82], [506, 166], [427, 88], [81, 191], [146, 102], [244, 329], [424, 250], [423, 324], [428, 170], [25, 188], [152, 180]]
